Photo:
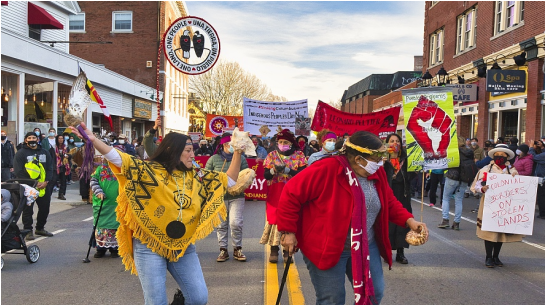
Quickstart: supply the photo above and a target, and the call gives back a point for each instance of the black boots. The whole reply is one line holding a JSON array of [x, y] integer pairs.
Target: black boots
[[400, 257]]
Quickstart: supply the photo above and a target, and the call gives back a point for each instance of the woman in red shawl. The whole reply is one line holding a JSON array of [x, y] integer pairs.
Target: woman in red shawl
[[347, 232], [282, 163]]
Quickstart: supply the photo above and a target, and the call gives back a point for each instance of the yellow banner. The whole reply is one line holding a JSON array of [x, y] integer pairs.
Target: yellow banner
[[430, 129]]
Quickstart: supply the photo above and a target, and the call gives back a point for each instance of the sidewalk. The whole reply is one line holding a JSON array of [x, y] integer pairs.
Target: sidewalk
[[73, 199]]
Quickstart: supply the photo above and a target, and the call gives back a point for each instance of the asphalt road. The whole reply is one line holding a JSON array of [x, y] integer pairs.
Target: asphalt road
[[448, 269]]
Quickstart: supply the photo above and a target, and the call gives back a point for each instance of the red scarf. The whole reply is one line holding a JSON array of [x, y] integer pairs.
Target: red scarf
[[363, 284]]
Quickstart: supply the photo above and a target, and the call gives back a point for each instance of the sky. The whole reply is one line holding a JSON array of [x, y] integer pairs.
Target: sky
[[315, 50]]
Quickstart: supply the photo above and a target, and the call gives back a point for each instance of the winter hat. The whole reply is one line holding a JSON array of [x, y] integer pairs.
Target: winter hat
[[524, 148], [501, 148]]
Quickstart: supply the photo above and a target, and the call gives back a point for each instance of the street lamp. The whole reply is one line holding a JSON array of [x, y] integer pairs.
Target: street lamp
[[441, 77], [427, 79]]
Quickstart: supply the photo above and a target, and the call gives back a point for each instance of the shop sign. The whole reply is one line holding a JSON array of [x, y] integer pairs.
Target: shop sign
[[506, 81], [464, 93], [141, 109]]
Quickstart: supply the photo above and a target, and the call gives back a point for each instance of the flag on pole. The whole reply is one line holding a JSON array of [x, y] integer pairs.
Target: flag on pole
[[96, 98]]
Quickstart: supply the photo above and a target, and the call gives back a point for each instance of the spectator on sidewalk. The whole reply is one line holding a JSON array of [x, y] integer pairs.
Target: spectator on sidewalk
[[203, 149], [478, 152], [50, 141], [538, 154], [513, 146], [488, 145], [8, 153], [524, 162], [62, 165], [124, 146], [34, 162], [457, 180]]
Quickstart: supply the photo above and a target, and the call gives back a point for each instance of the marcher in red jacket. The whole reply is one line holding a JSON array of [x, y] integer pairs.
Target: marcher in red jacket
[[337, 212], [524, 163]]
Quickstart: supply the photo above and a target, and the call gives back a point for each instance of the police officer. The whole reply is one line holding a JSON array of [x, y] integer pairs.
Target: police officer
[[34, 162]]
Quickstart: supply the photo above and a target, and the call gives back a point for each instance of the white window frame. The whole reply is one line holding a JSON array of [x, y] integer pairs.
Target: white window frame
[[78, 30], [114, 14], [500, 15], [437, 40], [466, 39]]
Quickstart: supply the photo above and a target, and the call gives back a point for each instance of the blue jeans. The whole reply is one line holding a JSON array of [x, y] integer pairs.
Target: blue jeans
[[329, 284], [152, 272], [452, 186], [235, 209]]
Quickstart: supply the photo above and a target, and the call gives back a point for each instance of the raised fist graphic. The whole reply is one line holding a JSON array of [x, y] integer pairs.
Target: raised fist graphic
[[430, 127]]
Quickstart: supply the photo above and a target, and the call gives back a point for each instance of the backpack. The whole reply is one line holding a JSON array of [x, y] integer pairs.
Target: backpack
[[468, 170]]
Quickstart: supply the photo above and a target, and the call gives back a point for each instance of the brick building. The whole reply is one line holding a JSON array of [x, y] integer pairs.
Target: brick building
[[465, 36], [135, 29]]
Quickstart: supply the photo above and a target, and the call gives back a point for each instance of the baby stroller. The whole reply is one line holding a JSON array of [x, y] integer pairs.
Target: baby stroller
[[12, 237]]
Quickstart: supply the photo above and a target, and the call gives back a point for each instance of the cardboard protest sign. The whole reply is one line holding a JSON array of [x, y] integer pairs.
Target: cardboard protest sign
[[382, 123], [509, 204], [272, 114], [431, 138]]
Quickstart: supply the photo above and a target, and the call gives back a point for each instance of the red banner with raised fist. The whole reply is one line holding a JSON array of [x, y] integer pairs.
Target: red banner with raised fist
[[381, 123], [258, 189]]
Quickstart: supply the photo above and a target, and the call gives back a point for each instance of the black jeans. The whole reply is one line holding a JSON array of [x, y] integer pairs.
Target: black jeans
[[84, 188], [43, 210], [62, 180], [435, 179], [541, 200]]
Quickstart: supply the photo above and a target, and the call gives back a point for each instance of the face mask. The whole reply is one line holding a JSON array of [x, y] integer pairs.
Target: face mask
[[329, 146], [255, 143], [37, 133], [121, 141], [474, 143], [302, 144], [283, 147], [51, 134], [500, 160], [32, 143], [231, 149], [71, 140], [66, 138], [135, 144], [4, 138], [518, 152], [371, 167]]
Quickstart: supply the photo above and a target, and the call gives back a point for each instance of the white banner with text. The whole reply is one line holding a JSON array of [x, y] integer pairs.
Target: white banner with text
[[272, 115]]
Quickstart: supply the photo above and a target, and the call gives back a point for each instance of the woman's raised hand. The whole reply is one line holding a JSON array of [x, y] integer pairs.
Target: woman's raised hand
[[87, 131]]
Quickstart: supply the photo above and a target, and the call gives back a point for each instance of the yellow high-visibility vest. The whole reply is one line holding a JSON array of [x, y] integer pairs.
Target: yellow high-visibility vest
[[36, 171]]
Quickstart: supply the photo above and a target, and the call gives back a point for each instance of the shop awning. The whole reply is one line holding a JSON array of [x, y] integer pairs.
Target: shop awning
[[4, 2], [39, 16]]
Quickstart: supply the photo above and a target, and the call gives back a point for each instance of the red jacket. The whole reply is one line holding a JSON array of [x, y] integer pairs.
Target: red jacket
[[317, 206]]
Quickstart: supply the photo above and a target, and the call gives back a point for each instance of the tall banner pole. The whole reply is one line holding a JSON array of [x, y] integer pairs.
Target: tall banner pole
[[159, 131]]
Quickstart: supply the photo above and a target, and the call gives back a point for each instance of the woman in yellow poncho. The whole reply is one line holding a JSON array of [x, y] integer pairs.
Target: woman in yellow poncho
[[164, 206]]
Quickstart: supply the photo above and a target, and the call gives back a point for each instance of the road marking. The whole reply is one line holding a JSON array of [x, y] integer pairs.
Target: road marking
[[271, 279], [88, 219], [294, 286], [540, 247], [37, 240]]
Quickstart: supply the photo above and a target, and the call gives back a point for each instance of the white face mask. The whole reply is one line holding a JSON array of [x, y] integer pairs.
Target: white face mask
[[372, 167], [121, 141], [329, 146], [518, 152]]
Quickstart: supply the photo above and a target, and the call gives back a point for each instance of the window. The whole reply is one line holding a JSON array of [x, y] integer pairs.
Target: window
[[122, 21], [507, 15], [466, 30], [34, 32], [436, 47], [77, 22]]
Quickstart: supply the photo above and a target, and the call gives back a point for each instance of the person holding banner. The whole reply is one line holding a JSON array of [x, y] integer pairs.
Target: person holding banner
[[398, 179], [493, 241], [221, 162], [281, 165], [337, 212], [327, 140]]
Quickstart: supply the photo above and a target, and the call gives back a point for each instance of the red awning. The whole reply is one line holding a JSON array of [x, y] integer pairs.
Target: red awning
[[39, 16], [4, 2]]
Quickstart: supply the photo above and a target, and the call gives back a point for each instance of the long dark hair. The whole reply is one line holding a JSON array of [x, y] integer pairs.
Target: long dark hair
[[364, 139], [402, 152], [169, 151], [61, 144]]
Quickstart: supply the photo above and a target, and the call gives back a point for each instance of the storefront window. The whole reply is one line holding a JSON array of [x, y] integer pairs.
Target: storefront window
[[38, 106], [9, 104], [510, 124]]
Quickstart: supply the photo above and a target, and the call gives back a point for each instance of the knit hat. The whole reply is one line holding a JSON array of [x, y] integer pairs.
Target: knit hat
[[524, 148], [30, 134], [287, 135]]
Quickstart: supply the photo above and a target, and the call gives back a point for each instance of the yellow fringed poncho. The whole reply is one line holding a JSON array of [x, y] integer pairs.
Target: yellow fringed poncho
[[149, 200]]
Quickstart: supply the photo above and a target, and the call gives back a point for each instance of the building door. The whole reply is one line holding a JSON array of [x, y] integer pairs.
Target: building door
[[509, 124]]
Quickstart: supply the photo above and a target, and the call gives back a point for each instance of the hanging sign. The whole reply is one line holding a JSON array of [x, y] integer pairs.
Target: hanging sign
[[509, 204], [141, 109], [431, 137], [191, 45], [464, 93], [506, 81], [216, 125], [382, 123]]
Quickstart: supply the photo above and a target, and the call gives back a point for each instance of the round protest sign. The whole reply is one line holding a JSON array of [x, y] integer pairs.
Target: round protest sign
[[191, 45]]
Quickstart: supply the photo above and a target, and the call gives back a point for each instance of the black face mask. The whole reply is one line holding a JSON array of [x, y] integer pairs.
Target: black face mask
[[3, 138], [500, 160], [32, 143]]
